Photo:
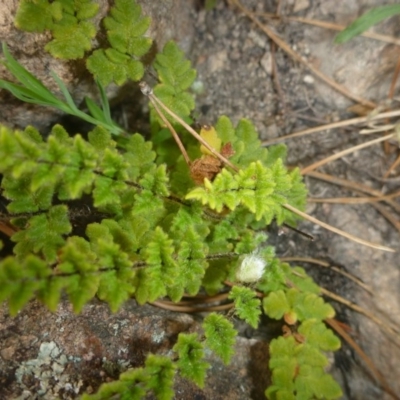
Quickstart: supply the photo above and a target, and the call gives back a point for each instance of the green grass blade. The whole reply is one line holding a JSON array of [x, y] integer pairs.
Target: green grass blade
[[65, 92], [95, 110], [104, 103], [27, 95], [23, 75], [367, 20]]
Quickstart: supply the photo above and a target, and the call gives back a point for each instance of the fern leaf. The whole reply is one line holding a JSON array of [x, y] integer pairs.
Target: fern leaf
[[125, 28], [131, 385], [247, 306], [176, 76], [191, 263], [313, 382], [276, 304], [191, 354], [220, 336], [24, 200], [161, 371], [19, 282], [312, 306], [71, 39], [112, 66], [78, 269], [67, 20], [44, 235], [319, 336], [139, 156], [37, 16], [159, 252]]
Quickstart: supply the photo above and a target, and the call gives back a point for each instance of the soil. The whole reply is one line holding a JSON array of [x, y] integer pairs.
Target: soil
[[244, 75]]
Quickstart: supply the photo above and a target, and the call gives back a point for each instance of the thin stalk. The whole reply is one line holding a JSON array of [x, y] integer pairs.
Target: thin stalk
[[333, 157], [147, 91], [336, 230], [334, 125], [173, 132]]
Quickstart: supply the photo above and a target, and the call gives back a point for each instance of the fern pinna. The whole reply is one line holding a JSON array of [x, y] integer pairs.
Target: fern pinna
[[159, 231]]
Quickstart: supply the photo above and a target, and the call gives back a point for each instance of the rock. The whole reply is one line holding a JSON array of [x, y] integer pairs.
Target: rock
[[69, 354]]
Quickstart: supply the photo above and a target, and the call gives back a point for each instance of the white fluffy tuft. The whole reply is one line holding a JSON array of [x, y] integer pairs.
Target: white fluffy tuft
[[251, 269]]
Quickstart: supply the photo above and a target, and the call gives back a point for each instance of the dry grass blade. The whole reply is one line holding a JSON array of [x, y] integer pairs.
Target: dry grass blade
[[392, 167], [325, 264], [355, 186], [333, 157], [381, 379], [353, 200], [394, 332], [336, 230], [146, 90], [172, 130], [360, 188], [334, 125], [285, 47], [332, 26]]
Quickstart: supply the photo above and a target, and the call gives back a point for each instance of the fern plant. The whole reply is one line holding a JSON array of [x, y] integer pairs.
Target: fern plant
[[161, 232]]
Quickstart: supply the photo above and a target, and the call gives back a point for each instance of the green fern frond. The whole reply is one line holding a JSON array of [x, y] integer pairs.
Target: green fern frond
[[319, 336], [191, 364], [220, 336], [259, 189], [44, 235], [68, 21], [37, 16], [125, 32], [156, 376], [247, 306], [298, 372], [20, 280], [125, 28], [161, 371], [246, 143], [130, 385], [191, 261], [301, 306], [176, 76]]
